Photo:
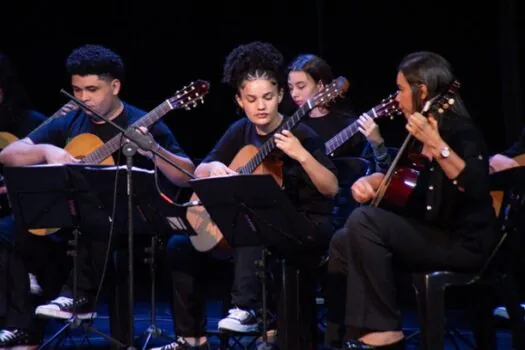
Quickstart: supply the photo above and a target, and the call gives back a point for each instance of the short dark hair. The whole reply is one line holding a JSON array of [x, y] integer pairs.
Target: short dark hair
[[251, 61], [97, 60]]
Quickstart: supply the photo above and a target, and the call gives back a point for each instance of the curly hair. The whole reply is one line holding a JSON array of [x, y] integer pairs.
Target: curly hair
[[251, 61], [97, 60]]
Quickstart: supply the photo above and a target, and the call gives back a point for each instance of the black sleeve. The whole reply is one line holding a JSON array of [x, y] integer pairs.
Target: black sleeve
[[228, 145], [474, 179], [316, 146], [165, 138]]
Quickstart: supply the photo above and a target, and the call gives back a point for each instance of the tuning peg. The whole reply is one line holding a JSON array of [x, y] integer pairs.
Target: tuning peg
[[451, 101]]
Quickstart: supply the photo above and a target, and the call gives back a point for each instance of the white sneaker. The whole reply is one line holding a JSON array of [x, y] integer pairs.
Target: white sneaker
[[502, 311], [62, 308], [239, 320], [34, 286]]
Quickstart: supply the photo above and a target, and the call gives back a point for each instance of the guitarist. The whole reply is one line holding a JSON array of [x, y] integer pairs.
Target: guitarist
[[96, 77], [256, 74], [307, 75], [455, 231]]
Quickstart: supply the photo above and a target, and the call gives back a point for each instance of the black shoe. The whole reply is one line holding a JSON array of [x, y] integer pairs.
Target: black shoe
[[16, 337], [181, 344]]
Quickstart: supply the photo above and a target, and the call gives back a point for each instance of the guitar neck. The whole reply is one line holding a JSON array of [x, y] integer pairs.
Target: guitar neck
[[110, 147], [269, 145], [344, 135]]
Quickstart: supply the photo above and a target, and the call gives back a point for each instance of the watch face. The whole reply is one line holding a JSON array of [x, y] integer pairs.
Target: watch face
[[445, 152]]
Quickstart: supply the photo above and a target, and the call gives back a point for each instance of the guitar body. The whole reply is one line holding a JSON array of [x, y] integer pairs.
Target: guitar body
[[497, 196], [83, 144], [208, 236], [80, 146], [6, 138]]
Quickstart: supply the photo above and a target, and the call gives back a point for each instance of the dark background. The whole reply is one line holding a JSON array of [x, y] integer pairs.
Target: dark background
[[166, 45]]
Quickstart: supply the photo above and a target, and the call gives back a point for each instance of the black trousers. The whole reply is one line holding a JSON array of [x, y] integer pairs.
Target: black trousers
[[22, 253], [369, 250], [190, 272], [189, 275]]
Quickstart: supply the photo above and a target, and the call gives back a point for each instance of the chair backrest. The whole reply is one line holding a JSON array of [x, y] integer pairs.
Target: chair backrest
[[349, 170], [510, 224]]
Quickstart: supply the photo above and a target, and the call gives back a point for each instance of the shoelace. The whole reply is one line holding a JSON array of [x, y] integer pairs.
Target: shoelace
[[237, 313], [6, 335], [63, 301]]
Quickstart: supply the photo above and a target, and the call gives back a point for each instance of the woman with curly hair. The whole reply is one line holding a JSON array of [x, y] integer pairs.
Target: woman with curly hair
[[256, 73]]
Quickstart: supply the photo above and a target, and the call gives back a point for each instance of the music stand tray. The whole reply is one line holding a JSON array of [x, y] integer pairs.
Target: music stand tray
[[252, 210]]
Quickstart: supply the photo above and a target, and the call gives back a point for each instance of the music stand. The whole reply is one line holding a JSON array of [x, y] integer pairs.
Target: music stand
[[251, 210], [151, 214], [50, 196]]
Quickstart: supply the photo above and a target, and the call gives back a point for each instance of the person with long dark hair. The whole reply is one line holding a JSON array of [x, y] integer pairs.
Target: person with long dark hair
[[452, 230]]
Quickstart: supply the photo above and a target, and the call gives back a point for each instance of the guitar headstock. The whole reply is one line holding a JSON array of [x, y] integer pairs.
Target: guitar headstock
[[189, 96], [330, 92], [387, 107], [443, 101]]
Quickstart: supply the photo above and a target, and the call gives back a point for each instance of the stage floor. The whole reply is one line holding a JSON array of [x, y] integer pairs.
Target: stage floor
[[142, 322]]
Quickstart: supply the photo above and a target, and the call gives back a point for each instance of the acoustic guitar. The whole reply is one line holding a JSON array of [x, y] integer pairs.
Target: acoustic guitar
[[90, 149], [387, 107], [253, 160]]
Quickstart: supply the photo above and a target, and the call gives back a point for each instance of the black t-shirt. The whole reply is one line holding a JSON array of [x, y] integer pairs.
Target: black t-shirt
[[330, 125], [62, 130], [297, 185]]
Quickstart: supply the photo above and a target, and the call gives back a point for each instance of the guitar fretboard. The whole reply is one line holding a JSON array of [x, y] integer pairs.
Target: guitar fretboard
[[345, 134], [101, 153], [269, 145]]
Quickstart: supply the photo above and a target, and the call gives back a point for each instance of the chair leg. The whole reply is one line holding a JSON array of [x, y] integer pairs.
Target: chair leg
[[431, 311]]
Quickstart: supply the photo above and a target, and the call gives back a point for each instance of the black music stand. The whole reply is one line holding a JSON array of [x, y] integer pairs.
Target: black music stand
[[50, 196], [150, 214], [251, 210]]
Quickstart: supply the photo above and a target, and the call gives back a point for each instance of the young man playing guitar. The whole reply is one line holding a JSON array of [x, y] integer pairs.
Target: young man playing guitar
[[255, 72], [96, 77]]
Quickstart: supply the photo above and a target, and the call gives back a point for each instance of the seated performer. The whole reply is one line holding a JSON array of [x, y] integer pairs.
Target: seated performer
[[453, 230], [96, 77], [307, 75], [256, 74]]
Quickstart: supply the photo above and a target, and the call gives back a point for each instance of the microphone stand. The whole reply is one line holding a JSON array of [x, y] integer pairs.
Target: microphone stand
[[135, 140]]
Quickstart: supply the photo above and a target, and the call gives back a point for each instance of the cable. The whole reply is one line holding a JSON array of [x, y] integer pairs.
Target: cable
[[111, 230]]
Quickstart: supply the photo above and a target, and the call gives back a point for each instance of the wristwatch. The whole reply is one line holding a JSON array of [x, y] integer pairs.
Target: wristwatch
[[445, 152]]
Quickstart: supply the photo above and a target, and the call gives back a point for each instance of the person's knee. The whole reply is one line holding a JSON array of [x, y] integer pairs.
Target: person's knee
[[358, 224], [179, 250]]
